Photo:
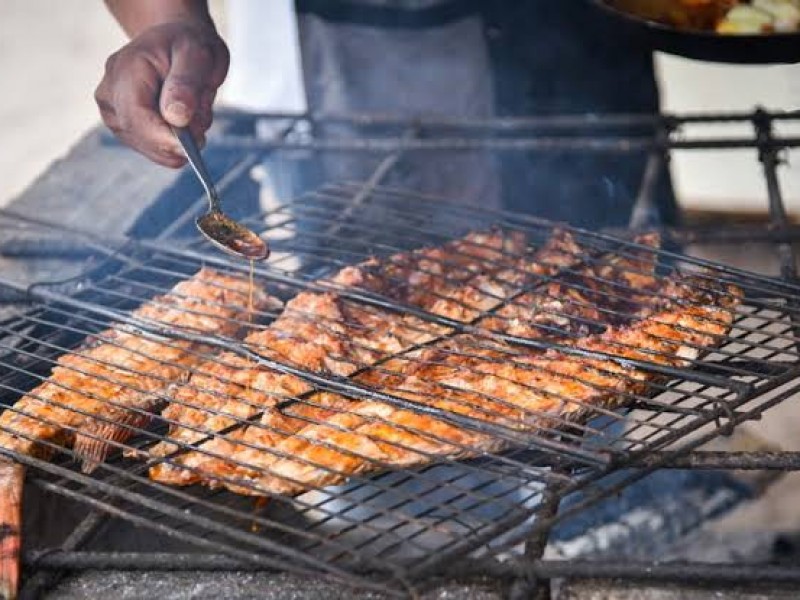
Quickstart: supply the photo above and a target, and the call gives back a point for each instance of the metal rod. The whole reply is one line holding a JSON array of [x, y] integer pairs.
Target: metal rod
[[266, 562], [569, 122], [532, 587], [668, 456], [620, 145], [777, 460], [632, 570], [525, 221], [43, 580], [672, 572], [378, 175], [265, 545], [58, 560], [768, 155], [697, 572]]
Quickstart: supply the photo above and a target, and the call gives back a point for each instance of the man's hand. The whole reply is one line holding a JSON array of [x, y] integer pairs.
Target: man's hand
[[167, 75]]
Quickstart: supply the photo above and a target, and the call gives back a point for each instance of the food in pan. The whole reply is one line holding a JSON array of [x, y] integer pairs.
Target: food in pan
[[761, 16], [738, 17], [101, 393]]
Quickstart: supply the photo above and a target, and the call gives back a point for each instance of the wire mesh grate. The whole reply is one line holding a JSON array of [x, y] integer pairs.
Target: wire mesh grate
[[376, 420]]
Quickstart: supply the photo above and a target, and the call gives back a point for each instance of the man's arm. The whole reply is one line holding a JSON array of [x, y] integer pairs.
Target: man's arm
[[137, 15], [168, 74]]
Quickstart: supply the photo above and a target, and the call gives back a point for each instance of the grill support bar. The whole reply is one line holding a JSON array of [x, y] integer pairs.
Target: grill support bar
[[544, 570], [782, 460], [768, 154], [83, 531], [530, 586]]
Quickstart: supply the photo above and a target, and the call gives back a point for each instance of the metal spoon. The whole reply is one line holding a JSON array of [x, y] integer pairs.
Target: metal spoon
[[216, 226]]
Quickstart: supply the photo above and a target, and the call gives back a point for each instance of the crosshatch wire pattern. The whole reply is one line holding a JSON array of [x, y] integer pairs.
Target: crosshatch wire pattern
[[408, 522]]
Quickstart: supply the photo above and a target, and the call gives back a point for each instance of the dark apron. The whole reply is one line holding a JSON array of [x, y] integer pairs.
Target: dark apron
[[477, 59], [422, 62]]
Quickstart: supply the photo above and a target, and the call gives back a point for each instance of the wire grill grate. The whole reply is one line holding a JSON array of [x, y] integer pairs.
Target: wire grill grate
[[402, 522]]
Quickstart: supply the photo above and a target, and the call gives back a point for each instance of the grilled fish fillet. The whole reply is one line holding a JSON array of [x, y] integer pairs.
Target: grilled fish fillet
[[326, 333], [585, 297], [533, 393], [106, 389], [558, 308], [99, 394], [239, 453]]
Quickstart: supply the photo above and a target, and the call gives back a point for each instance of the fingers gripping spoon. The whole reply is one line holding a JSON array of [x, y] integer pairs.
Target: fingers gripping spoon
[[222, 231]]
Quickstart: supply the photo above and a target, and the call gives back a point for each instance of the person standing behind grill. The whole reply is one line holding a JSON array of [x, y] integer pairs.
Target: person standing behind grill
[[453, 58]]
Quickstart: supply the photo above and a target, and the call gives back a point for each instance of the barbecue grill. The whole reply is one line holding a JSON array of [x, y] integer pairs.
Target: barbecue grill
[[397, 529]]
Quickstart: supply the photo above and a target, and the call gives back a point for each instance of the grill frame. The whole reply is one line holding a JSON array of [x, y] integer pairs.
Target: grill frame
[[767, 147]]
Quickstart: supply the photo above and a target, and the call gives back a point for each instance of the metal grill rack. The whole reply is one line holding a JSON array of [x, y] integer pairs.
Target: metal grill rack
[[387, 530]]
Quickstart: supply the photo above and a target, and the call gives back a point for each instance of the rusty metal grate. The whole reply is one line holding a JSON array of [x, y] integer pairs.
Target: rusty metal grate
[[399, 524], [387, 530]]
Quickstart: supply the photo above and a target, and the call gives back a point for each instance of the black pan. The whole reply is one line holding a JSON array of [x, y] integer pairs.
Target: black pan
[[705, 45]]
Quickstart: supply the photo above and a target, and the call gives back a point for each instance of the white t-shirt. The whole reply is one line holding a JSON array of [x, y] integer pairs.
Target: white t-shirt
[[263, 39]]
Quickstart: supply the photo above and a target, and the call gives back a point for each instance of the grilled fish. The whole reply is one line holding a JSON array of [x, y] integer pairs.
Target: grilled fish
[[557, 308], [101, 393], [321, 332], [240, 453], [531, 393]]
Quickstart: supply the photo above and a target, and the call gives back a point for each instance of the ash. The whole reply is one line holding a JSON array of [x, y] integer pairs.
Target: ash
[[235, 585]]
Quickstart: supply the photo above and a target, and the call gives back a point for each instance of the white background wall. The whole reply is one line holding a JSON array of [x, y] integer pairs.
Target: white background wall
[[727, 180], [51, 57], [52, 54]]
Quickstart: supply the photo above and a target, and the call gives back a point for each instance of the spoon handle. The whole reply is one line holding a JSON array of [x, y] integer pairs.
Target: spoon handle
[[198, 164]]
